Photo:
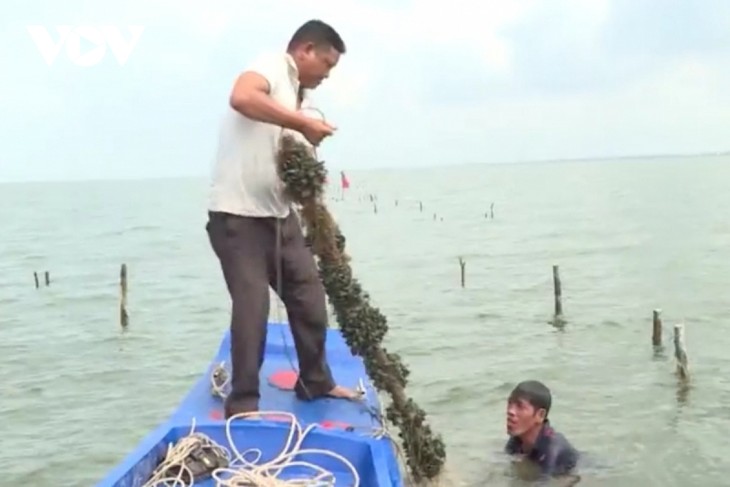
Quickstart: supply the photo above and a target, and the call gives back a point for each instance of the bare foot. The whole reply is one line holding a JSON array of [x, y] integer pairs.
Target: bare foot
[[341, 392]]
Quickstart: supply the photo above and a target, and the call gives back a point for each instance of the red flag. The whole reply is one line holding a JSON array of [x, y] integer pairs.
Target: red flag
[[343, 180]]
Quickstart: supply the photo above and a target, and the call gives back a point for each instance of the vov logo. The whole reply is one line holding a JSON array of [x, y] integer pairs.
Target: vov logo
[[95, 38]]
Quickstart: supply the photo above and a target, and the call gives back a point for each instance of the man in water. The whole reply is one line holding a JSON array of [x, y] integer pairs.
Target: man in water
[[531, 435], [251, 227]]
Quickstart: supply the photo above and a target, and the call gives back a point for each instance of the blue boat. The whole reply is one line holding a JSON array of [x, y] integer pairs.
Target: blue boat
[[333, 427]]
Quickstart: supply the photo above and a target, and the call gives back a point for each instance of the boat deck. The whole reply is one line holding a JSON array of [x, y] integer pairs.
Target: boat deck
[[346, 428], [281, 359]]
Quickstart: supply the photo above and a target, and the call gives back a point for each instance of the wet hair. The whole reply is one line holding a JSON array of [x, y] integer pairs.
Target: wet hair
[[535, 393], [319, 34]]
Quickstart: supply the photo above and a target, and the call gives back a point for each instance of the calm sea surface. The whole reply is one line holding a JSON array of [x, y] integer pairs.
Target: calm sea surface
[[629, 236]]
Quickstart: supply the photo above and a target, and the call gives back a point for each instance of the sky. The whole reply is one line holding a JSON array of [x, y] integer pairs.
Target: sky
[[423, 83]]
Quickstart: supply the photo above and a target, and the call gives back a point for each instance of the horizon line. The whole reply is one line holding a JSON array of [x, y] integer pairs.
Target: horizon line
[[380, 168]]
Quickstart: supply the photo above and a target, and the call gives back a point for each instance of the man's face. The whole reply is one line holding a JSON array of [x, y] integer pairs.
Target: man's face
[[315, 64], [522, 417]]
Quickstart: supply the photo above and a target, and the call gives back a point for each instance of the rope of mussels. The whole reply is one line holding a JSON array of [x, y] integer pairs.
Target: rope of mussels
[[362, 325]]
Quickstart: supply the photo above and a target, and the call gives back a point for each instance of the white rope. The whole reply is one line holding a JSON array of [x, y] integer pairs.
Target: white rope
[[266, 474], [249, 473], [220, 379], [175, 460]]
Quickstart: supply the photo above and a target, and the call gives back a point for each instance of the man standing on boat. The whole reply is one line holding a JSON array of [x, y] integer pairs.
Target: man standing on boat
[[252, 228]]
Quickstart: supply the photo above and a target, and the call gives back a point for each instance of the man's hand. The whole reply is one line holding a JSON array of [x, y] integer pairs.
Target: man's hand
[[315, 130]]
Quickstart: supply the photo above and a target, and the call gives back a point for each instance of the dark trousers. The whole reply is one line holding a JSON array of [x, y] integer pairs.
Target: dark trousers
[[247, 250]]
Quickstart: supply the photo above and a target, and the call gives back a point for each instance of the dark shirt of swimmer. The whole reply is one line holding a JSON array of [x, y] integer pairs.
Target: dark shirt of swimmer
[[532, 436]]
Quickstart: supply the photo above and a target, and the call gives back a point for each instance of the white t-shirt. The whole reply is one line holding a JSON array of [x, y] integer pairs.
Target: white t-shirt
[[245, 180]]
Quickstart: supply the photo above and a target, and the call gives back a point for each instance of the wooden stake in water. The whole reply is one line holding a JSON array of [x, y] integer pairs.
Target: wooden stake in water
[[462, 264], [558, 291], [123, 316], [35, 276], [656, 335], [680, 352], [491, 210], [48, 279], [420, 205], [375, 208]]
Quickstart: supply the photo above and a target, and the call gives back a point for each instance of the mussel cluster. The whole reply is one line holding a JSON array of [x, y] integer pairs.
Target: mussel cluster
[[363, 326]]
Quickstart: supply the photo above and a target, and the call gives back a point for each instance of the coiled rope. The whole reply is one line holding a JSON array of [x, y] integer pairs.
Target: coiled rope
[[249, 473], [175, 460], [220, 379], [266, 474]]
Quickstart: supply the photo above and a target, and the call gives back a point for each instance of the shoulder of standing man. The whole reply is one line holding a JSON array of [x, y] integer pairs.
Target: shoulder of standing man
[[272, 66]]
